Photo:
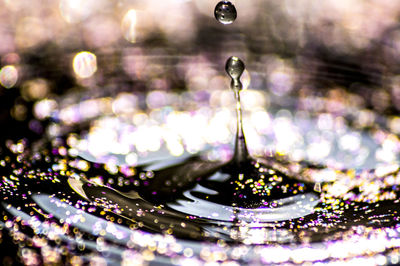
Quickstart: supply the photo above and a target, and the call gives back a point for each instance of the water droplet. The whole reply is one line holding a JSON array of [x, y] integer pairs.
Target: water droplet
[[234, 67], [225, 12]]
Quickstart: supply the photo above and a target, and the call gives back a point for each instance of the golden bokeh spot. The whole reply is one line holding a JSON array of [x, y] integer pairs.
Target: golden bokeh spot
[[84, 64], [8, 76]]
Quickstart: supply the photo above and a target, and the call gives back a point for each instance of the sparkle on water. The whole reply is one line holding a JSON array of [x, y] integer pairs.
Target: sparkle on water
[[151, 211]]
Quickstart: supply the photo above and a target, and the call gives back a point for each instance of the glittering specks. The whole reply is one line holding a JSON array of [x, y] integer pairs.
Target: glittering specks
[[96, 192], [360, 204]]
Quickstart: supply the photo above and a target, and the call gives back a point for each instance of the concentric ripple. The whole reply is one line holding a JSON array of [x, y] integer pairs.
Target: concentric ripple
[[177, 208]]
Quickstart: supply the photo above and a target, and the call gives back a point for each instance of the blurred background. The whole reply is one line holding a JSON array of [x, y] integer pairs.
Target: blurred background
[[133, 77], [344, 50]]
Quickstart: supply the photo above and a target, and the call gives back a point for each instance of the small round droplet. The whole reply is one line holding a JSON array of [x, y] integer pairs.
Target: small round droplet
[[225, 12], [234, 67]]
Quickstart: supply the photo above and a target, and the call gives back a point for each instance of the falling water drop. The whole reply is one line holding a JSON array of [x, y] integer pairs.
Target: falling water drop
[[235, 67], [225, 12]]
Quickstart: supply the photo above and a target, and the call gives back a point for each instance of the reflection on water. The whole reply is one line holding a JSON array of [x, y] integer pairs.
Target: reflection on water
[[182, 208]]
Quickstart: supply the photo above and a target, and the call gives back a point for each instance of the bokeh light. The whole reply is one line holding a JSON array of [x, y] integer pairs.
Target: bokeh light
[[75, 10], [35, 89], [129, 26], [8, 76], [84, 64]]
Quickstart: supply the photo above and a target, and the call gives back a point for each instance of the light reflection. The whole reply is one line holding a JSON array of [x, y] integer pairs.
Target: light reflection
[[84, 64], [35, 89], [101, 31], [19, 112], [76, 10], [281, 78], [129, 26], [44, 108], [31, 31], [124, 103], [124, 127], [8, 76]]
